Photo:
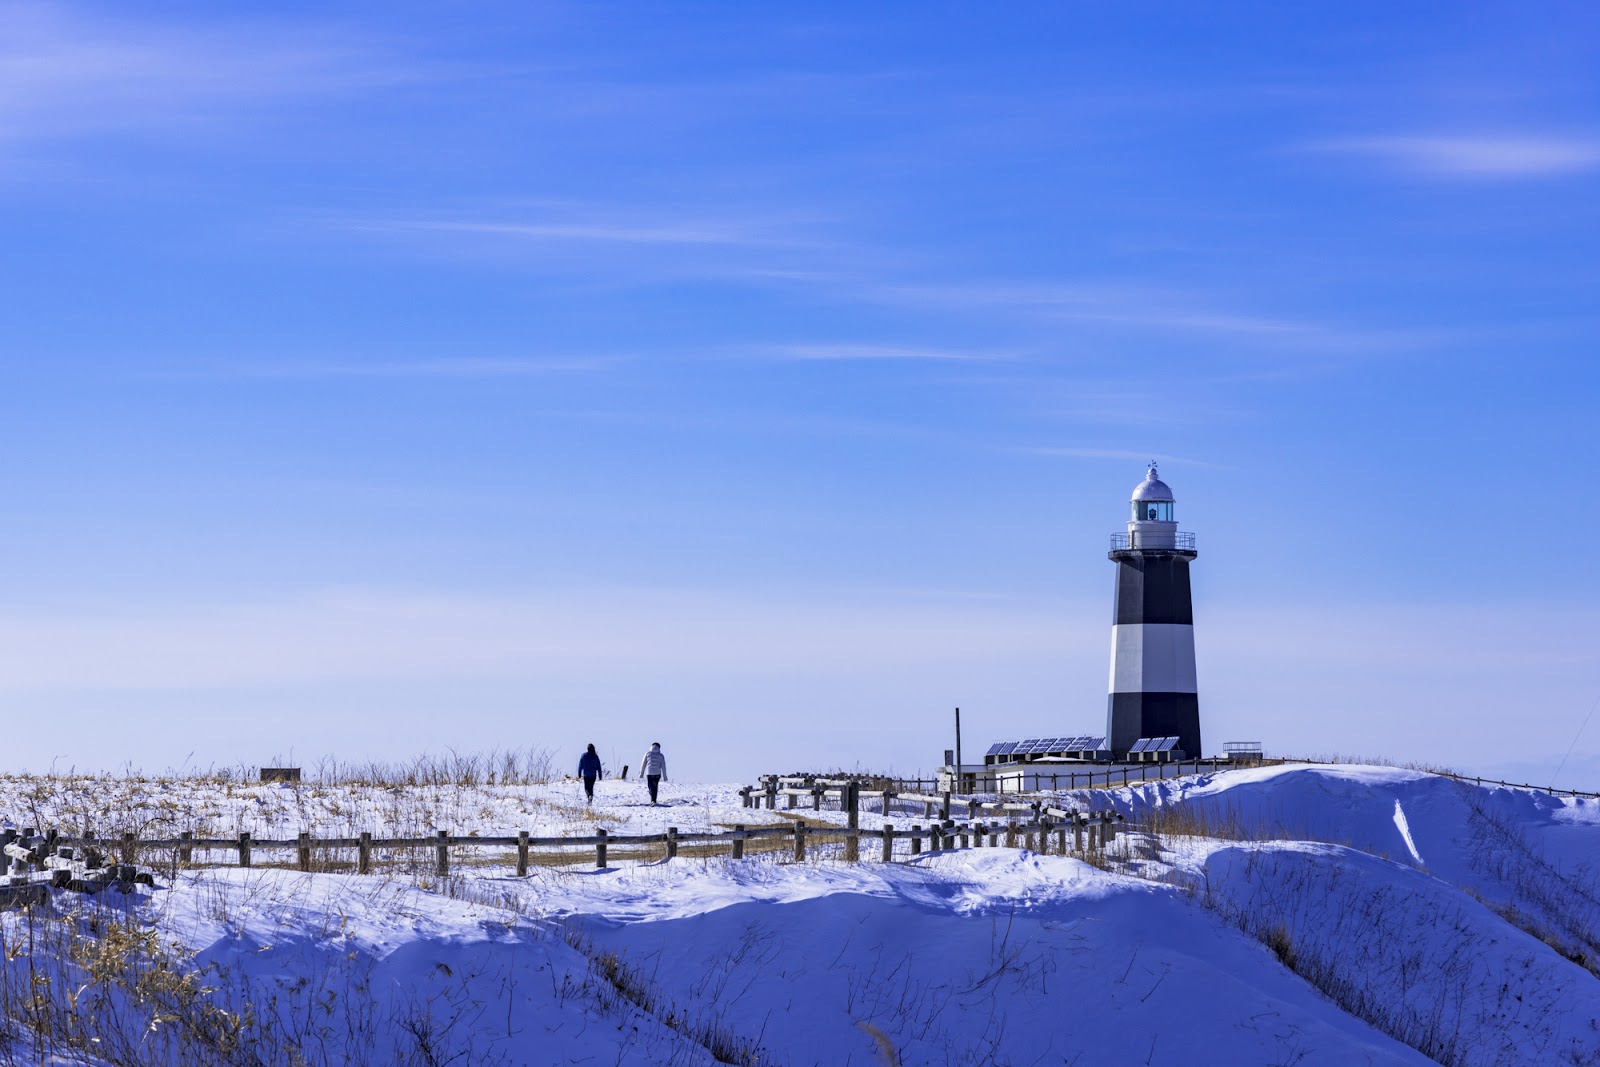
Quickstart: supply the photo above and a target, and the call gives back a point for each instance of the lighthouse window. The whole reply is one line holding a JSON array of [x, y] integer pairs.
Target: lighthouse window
[[1153, 511]]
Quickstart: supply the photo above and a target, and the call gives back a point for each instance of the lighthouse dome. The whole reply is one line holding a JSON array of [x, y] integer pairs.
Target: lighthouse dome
[[1152, 488]]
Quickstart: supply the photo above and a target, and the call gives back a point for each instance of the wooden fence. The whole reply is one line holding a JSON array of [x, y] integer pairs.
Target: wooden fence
[[1117, 777], [1034, 824], [1072, 831], [1092, 776]]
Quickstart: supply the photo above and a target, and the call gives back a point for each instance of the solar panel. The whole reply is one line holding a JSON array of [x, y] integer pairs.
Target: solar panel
[[1087, 744], [994, 749], [1140, 745], [1165, 744]]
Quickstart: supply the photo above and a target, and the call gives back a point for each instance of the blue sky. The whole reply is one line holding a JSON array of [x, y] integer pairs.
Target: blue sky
[[766, 381]]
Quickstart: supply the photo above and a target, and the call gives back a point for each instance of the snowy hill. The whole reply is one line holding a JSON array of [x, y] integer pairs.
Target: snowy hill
[[1305, 915]]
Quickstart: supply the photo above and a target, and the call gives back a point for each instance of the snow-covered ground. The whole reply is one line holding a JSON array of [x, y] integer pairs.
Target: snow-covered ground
[[1331, 915]]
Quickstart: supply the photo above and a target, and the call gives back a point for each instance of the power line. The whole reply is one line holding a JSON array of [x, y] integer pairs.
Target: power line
[[1574, 744]]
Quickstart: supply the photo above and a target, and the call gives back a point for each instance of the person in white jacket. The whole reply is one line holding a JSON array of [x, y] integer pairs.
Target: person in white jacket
[[654, 769]]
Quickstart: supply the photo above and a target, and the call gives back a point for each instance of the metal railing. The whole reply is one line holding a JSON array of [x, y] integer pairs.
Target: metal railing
[[1182, 540]]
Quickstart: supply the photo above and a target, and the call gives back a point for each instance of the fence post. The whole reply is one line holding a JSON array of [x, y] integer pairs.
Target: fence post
[[963, 837], [442, 866], [522, 853], [977, 832], [186, 851], [1011, 834], [303, 849], [887, 793], [1061, 840], [772, 795], [364, 853], [1108, 828], [744, 796], [852, 822], [916, 839], [944, 809], [1077, 832], [244, 848], [672, 842], [600, 849], [816, 797], [888, 842], [799, 839], [936, 837], [738, 840], [1094, 837], [994, 836]]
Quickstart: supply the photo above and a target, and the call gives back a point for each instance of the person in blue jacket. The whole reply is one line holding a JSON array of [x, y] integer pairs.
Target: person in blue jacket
[[589, 769]]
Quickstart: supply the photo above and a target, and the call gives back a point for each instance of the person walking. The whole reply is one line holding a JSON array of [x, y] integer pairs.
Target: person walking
[[589, 769], [654, 769]]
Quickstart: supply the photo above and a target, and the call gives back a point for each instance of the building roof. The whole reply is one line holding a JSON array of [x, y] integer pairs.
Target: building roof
[[1152, 488]]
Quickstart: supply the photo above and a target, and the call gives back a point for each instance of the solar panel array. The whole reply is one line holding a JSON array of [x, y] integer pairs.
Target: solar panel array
[[1154, 744], [1036, 746]]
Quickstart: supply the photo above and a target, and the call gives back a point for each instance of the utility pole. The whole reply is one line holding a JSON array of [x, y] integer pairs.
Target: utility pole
[[959, 787]]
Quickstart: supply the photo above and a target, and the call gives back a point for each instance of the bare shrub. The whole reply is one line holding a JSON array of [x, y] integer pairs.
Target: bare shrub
[[631, 985]]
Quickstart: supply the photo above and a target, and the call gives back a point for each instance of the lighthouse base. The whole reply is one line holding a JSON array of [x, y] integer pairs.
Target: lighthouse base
[[1130, 716]]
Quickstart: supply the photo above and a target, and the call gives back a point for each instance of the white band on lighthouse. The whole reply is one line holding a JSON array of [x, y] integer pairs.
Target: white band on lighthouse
[[1152, 658]]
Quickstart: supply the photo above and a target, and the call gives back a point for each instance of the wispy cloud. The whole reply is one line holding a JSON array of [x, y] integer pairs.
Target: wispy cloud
[[891, 353], [1125, 304], [1486, 157], [1111, 453], [65, 74], [429, 368], [688, 231], [354, 635]]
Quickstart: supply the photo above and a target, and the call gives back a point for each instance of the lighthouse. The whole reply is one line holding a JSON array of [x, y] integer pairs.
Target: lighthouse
[[1153, 692]]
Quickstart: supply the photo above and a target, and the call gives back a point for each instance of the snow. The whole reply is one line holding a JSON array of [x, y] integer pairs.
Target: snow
[[1340, 897]]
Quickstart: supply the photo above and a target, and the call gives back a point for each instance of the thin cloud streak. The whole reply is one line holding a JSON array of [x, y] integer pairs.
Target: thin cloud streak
[[65, 75], [1112, 453], [872, 352], [353, 636], [675, 232], [1484, 157], [436, 368]]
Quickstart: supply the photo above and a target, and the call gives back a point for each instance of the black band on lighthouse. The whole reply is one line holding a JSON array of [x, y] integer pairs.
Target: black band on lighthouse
[[1153, 588]]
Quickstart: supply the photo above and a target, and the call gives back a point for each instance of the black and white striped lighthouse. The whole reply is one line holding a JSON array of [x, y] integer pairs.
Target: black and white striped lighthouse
[[1153, 692]]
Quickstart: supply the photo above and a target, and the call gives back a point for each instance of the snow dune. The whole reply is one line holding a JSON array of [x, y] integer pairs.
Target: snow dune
[[1349, 915]]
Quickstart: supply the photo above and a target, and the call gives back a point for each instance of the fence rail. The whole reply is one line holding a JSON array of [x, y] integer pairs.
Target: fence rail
[[1087, 830]]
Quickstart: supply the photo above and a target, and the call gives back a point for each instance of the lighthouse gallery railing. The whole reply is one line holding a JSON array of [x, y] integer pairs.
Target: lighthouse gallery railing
[[1180, 540]]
